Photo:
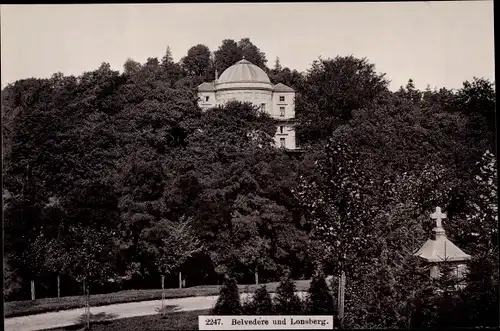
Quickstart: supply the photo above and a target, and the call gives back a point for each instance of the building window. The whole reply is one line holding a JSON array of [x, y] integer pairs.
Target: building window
[[282, 111], [263, 106], [281, 129], [282, 99], [206, 98], [282, 142]]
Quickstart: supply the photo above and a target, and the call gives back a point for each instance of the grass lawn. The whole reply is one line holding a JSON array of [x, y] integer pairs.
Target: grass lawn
[[30, 307], [187, 320]]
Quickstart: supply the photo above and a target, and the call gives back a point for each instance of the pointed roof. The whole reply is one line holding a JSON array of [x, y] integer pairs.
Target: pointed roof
[[283, 88], [206, 87], [439, 248]]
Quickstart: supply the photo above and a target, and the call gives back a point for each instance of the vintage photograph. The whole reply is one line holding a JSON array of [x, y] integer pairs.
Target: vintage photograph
[[246, 166]]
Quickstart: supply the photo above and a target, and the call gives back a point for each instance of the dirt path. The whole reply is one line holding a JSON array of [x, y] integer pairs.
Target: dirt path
[[73, 316]]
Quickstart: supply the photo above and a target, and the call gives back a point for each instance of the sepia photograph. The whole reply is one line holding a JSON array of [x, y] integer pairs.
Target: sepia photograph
[[249, 166]]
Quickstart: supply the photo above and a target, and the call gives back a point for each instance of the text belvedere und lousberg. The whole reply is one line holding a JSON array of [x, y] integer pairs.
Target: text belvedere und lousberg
[[260, 321]]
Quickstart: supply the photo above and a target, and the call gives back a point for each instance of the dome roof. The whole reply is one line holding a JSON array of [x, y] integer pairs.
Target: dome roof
[[243, 71]]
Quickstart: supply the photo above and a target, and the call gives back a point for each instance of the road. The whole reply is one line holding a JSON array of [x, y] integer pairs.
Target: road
[[123, 310]]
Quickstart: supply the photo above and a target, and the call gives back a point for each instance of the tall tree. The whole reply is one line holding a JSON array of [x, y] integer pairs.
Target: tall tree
[[422, 136], [226, 55], [34, 257], [235, 162], [252, 53], [167, 59], [277, 66], [478, 97], [131, 67], [291, 78], [410, 92], [337, 206], [90, 251], [478, 229], [170, 70], [477, 100], [169, 245], [333, 89], [197, 61], [371, 229], [57, 259]]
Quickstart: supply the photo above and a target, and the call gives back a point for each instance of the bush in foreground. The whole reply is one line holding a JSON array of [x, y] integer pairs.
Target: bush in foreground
[[319, 301], [260, 304], [286, 301], [228, 302]]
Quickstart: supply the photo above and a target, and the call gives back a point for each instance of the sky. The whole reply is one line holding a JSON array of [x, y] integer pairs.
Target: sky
[[440, 44]]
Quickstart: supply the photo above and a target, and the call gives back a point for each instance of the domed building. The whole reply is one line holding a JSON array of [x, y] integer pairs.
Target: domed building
[[247, 82]]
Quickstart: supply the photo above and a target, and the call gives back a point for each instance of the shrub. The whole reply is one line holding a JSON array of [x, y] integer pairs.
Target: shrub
[[247, 307], [228, 302], [319, 301], [286, 301], [261, 303], [480, 298]]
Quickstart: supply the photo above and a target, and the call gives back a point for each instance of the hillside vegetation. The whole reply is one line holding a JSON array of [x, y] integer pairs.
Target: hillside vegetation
[[116, 178]]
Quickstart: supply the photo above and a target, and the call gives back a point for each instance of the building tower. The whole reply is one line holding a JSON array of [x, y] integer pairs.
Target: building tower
[[247, 82]]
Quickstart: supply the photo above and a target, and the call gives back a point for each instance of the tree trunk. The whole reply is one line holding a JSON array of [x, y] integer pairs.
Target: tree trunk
[[341, 299], [256, 276], [87, 305], [58, 286], [180, 279], [162, 295], [32, 289]]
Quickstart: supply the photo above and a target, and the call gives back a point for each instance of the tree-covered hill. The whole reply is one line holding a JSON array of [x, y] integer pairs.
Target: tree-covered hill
[[102, 172]]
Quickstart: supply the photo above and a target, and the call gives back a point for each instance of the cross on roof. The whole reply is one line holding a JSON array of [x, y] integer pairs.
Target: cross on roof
[[438, 216]]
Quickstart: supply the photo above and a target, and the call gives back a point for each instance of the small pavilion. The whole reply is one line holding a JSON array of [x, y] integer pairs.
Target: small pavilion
[[439, 249]]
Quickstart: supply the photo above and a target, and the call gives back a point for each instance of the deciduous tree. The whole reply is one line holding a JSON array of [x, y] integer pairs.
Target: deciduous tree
[[197, 61], [333, 88], [169, 245], [226, 55], [252, 53]]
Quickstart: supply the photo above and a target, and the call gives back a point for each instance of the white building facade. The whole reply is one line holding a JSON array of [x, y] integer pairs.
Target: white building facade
[[247, 82]]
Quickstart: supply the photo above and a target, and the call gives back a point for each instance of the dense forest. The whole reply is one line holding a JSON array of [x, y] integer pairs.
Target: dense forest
[[118, 177]]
